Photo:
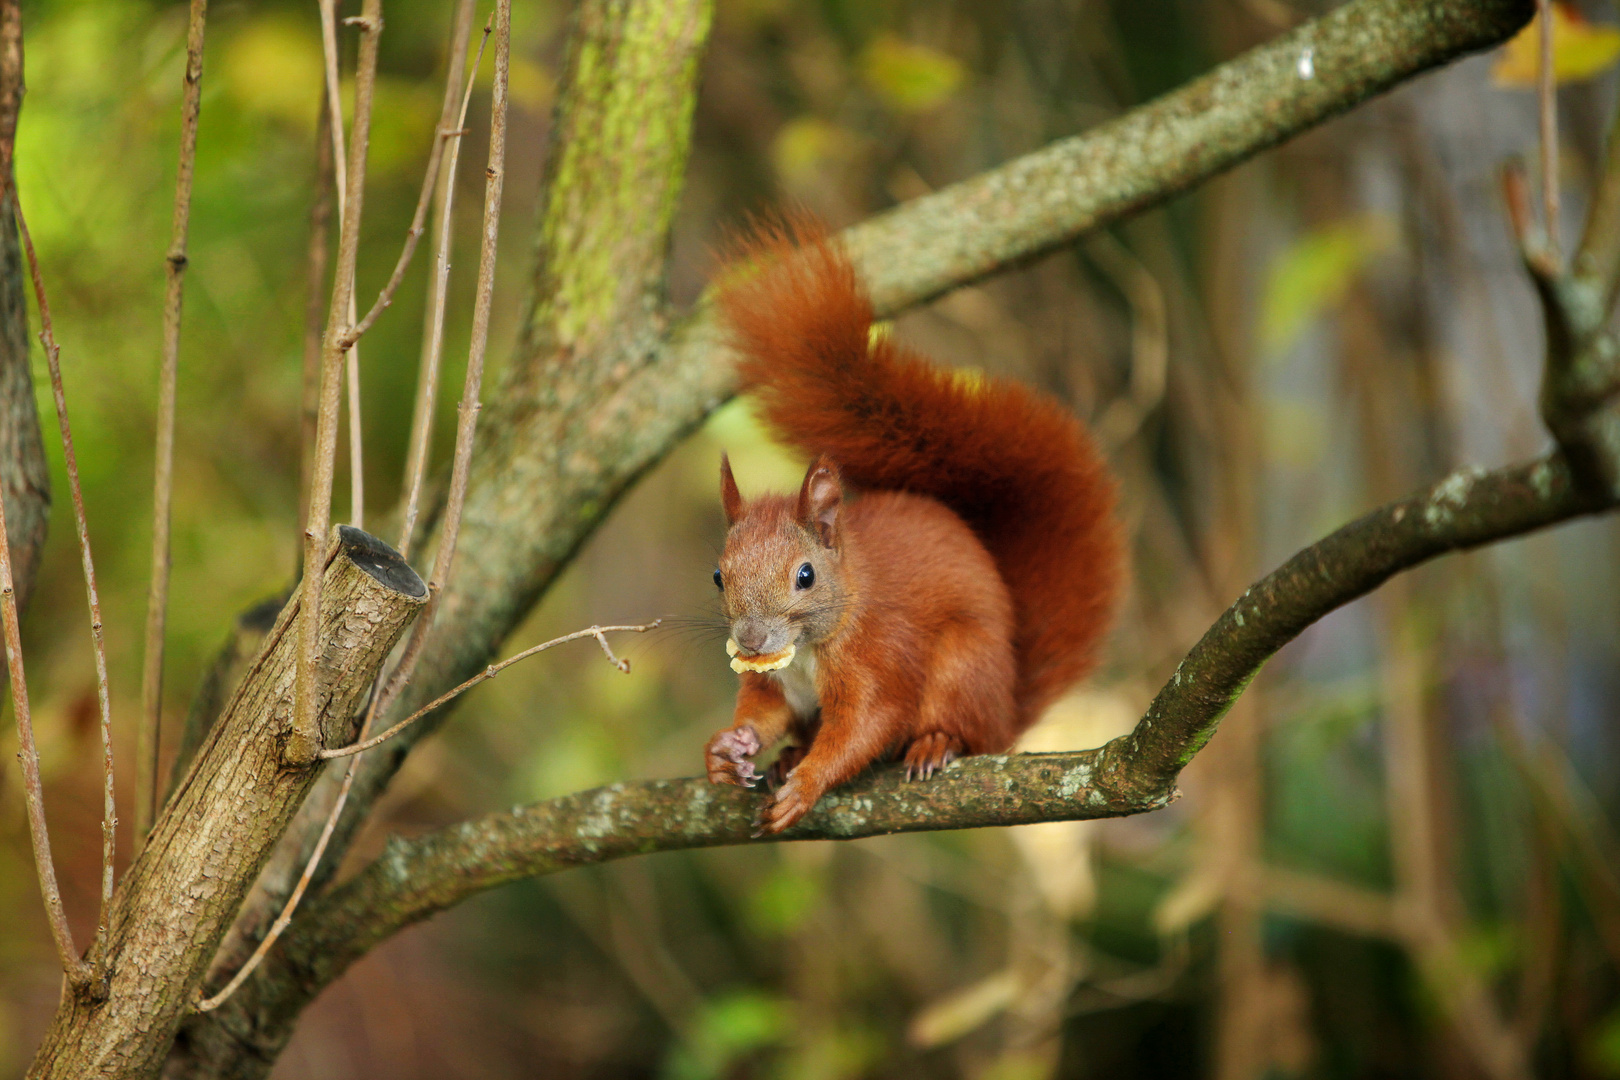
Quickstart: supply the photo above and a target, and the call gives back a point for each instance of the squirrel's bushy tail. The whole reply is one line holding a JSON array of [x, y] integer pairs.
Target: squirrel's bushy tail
[[1013, 463]]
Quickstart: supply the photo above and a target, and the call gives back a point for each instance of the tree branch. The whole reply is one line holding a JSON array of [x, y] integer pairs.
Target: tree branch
[[1464, 510], [1132, 774], [208, 844], [1043, 200]]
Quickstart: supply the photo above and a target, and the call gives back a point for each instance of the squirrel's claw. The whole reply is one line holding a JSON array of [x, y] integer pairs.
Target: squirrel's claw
[[792, 801], [930, 753]]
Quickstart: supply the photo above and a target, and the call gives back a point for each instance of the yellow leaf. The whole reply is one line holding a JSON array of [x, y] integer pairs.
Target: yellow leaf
[[1580, 50], [803, 145], [1314, 273], [908, 77], [273, 66]]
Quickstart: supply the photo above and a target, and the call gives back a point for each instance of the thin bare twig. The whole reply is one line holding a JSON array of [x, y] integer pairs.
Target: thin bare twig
[[78, 972], [320, 219], [1547, 98], [446, 132], [357, 462], [304, 742], [351, 358], [457, 49], [467, 411], [149, 735], [427, 379], [1149, 339], [47, 337], [490, 672]]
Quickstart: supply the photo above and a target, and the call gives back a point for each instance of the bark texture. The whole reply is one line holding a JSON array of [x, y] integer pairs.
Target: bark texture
[[182, 893]]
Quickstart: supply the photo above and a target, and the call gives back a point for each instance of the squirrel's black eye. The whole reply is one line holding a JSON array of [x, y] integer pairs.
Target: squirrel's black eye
[[807, 576], [719, 582]]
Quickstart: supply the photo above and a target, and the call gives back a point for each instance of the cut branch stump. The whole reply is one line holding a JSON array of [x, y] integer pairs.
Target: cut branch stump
[[212, 839]]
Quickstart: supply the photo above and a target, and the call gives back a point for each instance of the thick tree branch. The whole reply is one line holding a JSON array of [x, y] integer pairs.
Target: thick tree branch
[[208, 844], [1464, 510], [1132, 774], [1040, 201]]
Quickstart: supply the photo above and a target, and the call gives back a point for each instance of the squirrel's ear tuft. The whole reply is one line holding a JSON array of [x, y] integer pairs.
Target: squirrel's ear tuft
[[820, 498], [730, 498]]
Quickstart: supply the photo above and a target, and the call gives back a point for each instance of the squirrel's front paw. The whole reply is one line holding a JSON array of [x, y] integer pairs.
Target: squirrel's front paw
[[793, 800], [727, 756]]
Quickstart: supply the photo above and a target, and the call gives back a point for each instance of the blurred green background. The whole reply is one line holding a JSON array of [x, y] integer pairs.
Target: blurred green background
[[1327, 327]]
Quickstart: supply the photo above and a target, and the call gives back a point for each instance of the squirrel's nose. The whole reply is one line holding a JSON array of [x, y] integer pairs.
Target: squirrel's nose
[[750, 635]]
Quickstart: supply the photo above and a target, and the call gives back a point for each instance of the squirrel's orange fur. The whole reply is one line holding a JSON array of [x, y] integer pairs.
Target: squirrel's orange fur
[[964, 588]]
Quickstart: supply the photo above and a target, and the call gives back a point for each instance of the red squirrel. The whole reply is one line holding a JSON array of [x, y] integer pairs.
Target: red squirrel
[[938, 612]]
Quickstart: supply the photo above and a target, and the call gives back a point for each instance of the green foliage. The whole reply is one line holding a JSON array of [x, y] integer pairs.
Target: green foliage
[[1314, 273], [727, 1029], [909, 77]]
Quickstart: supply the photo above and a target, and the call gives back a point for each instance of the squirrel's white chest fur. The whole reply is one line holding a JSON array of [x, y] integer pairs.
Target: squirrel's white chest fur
[[798, 682]]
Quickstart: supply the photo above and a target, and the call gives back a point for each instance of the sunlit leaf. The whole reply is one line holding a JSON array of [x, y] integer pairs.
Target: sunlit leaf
[[1580, 50], [1314, 274], [909, 77]]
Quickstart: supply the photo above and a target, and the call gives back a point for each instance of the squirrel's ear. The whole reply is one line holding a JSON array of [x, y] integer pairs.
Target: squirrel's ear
[[730, 498], [820, 498]]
